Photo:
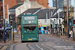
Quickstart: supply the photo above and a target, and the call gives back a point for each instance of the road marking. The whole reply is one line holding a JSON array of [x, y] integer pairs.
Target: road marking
[[4, 48], [39, 47], [11, 48], [31, 47], [72, 44], [46, 46]]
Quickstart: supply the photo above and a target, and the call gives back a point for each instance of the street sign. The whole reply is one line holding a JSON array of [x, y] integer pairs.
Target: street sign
[[70, 24]]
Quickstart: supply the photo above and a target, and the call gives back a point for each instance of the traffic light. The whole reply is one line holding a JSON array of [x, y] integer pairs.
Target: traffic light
[[11, 24], [73, 22], [11, 21]]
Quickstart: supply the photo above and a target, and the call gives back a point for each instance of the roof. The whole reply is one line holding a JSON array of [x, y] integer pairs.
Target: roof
[[54, 11], [61, 15], [16, 6], [32, 10], [20, 1], [42, 14]]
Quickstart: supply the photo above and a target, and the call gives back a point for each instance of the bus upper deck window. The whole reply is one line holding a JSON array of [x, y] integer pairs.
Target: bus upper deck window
[[29, 27]]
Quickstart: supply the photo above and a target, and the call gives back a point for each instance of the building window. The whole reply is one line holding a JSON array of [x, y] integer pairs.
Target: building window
[[1, 17], [1, 6]]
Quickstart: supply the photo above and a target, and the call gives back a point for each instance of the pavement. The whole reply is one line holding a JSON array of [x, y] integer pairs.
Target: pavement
[[3, 45], [65, 38]]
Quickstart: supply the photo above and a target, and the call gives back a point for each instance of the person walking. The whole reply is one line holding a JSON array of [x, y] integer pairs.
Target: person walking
[[5, 36], [71, 34]]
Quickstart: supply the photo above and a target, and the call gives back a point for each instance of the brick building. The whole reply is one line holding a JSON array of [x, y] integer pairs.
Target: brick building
[[42, 2], [1, 14], [10, 3], [7, 2]]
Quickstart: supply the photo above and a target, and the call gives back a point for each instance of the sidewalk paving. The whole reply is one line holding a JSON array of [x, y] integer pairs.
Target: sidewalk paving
[[7, 42], [62, 37], [1, 46], [2, 43]]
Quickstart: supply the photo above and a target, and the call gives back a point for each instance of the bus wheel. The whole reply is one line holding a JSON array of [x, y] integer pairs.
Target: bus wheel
[[22, 41], [37, 41]]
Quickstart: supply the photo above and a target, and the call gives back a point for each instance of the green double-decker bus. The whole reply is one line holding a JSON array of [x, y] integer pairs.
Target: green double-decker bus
[[29, 28]]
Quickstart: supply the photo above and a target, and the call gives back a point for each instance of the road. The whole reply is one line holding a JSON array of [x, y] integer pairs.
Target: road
[[46, 42]]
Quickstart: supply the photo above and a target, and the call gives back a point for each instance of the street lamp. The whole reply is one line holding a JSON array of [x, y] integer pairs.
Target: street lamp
[[67, 20], [4, 18]]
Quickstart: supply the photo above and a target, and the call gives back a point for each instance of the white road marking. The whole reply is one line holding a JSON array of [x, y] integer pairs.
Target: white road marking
[[31, 47], [46, 46], [11, 48], [39, 47]]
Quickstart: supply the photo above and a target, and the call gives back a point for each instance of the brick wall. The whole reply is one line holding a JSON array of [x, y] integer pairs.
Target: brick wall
[[42, 2], [11, 3], [22, 0], [1, 13]]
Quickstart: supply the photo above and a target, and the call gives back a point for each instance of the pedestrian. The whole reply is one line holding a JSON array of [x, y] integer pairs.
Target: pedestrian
[[71, 34], [48, 30], [54, 31], [5, 36]]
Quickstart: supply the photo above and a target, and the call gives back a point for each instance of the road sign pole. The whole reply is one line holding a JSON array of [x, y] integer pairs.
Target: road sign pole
[[13, 30]]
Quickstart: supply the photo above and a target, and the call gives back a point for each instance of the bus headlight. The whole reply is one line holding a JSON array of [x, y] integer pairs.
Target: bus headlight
[[22, 36]]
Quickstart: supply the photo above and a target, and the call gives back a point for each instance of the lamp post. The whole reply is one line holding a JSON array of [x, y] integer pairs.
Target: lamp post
[[4, 18], [67, 20], [58, 23], [8, 13]]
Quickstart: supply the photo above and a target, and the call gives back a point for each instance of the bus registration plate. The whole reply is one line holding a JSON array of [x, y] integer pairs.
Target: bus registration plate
[[29, 39]]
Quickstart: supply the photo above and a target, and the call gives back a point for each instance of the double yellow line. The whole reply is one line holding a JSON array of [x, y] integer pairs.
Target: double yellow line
[[4, 48]]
